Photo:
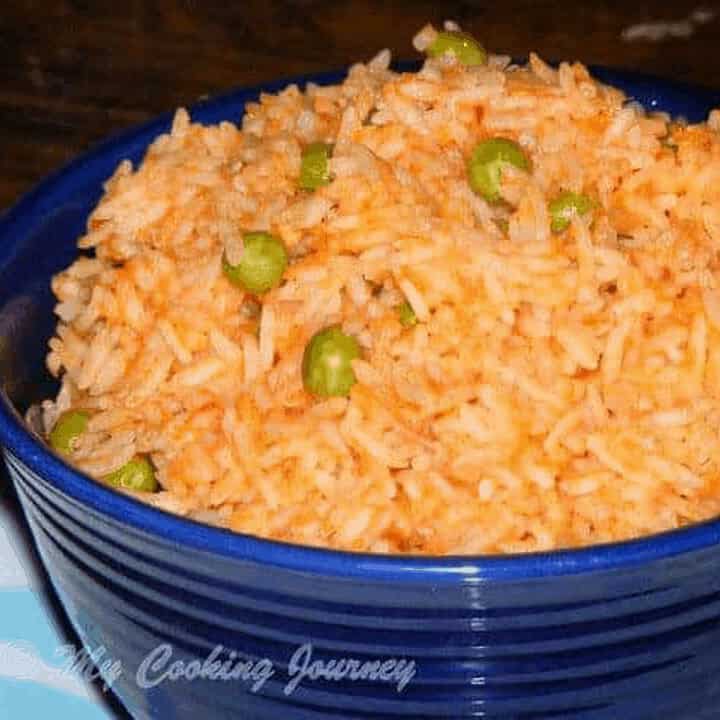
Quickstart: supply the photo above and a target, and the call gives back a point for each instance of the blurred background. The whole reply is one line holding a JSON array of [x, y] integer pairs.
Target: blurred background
[[73, 71]]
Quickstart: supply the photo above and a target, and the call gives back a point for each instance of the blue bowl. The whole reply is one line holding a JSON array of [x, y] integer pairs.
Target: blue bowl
[[207, 623]]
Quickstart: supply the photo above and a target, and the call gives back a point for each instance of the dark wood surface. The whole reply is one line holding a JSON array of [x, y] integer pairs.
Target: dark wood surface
[[73, 71]]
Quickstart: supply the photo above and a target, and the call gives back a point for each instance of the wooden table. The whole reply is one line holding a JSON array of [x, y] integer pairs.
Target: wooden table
[[73, 71]]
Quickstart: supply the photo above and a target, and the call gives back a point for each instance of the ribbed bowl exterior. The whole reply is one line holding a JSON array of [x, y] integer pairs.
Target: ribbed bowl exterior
[[634, 643], [626, 632]]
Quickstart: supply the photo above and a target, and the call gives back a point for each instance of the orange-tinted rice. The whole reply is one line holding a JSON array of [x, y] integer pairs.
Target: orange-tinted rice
[[559, 389]]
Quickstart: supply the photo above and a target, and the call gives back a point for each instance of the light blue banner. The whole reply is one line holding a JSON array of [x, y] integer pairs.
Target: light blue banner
[[35, 680]]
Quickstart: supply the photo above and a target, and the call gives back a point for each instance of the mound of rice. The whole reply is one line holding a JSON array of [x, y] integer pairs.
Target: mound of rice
[[559, 389]]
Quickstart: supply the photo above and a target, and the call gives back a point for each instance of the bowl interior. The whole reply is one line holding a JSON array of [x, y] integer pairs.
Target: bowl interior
[[38, 238]]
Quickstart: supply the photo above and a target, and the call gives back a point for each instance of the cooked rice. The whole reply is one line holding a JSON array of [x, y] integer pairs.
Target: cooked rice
[[558, 389]]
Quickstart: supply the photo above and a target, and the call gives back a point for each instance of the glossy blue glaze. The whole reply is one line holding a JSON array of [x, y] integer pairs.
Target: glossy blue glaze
[[628, 631]]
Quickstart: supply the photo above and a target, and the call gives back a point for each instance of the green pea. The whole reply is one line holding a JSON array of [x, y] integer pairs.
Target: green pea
[[565, 206], [69, 426], [315, 166], [262, 265], [487, 162], [137, 474], [406, 314], [463, 46], [327, 363]]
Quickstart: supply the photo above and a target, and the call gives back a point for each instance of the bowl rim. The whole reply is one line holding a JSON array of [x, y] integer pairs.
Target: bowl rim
[[182, 531]]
